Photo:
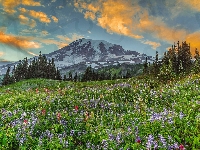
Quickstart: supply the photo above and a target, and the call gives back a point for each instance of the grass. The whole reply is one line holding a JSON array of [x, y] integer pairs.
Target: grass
[[119, 114]]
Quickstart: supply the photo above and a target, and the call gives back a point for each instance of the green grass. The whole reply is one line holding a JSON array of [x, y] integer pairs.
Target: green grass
[[118, 114]]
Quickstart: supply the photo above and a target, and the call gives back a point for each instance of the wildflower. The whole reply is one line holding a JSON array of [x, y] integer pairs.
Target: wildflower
[[25, 122], [76, 108], [86, 116], [181, 147], [181, 115], [43, 111], [138, 140], [101, 96], [46, 90], [58, 116]]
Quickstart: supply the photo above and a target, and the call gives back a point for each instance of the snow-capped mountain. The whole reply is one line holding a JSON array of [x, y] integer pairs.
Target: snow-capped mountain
[[96, 53]]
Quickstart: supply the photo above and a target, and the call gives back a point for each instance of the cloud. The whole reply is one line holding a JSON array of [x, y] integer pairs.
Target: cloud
[[115, 16], [1, 54], [63, 40], [3, 29], [9, 5], [41, 16], [26, 21], [55, 19], [193, 4], [194, 39], [59, 44], [130, 19], [18, 42], [154, 45]]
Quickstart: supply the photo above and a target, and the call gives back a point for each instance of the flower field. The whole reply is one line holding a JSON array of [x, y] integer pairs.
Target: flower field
[[119, 114]]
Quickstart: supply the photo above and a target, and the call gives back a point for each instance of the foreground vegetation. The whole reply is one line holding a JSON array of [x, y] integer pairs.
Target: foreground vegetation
[[135, 113]]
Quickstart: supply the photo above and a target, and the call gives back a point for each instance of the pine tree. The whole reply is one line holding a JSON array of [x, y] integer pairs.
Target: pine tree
[[128, 74], [156, 65], [196, 66], [145, 70], [7, 78], [70, 76], [65, 78], [58, 75], [75, 77]]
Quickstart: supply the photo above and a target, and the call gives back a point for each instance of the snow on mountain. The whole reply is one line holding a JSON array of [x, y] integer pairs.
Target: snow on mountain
[[91, 51]]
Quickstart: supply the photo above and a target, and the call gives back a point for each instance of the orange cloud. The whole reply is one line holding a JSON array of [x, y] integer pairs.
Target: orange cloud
[[194, 39], [153, 44], [125, 18], [54, 19], [30, 3], [116, 16], [25, 21], [18, 42], [41, 16], [60, 44], [9, 5], [193, 4]]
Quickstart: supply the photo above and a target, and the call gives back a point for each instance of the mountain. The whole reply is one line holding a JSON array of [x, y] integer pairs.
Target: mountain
[[85, 52]]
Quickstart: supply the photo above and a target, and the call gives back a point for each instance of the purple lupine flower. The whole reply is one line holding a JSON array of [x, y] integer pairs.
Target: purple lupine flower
[[181, 115], [163, 141], [150, 141]]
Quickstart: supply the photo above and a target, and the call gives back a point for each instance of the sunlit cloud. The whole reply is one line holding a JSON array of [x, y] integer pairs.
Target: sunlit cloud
[[59, 44], [194, 39], [9, 5], [193, 4], [55, 19], [18, 42], [154, 45], [116, 16], [41, 16], [26, 21], [124, 18]]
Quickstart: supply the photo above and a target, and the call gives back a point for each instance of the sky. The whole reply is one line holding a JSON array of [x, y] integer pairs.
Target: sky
[[30, 26]]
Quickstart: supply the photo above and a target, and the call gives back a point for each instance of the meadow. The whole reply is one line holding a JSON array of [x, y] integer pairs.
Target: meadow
[[120, 114]]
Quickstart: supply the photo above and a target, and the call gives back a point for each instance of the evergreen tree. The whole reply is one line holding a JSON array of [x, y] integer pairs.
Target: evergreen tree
[[145, 70], [58, 75], [65, 78], [75, 77], [196, 66], [70, 76], [128, 74], [7, 78]]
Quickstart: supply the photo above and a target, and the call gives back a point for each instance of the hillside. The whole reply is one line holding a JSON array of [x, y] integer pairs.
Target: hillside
[[129, 113]]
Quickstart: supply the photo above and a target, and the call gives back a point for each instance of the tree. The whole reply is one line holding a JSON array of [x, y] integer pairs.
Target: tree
[[196, 66], [58, 75], [75, 77], [145, 70], [7, 78], [166, 72]]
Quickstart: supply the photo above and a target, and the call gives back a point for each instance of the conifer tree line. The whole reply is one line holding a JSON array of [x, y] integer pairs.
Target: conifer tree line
[[92, 75], [41, 68], [38, 68], [176, 61]]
